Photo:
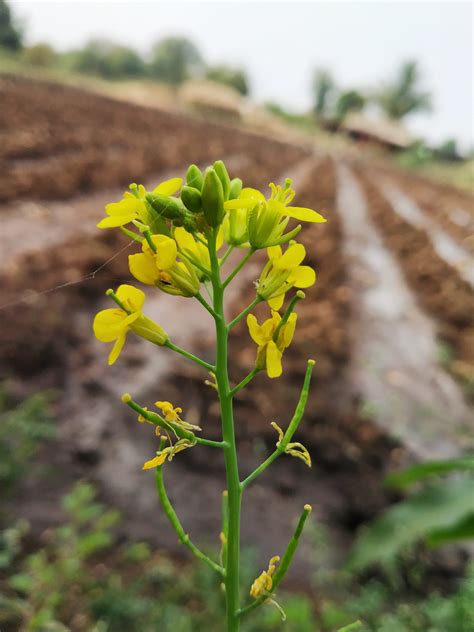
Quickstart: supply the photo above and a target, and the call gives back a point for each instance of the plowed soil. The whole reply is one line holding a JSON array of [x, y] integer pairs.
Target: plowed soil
[[64, 153]]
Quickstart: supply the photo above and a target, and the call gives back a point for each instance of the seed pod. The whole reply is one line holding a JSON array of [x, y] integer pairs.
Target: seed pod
[[235, 188], [191, 199], [194, 177], [212, 198], [223, 176], [165, 206]]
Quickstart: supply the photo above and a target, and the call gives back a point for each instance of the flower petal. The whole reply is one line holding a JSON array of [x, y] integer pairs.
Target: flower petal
[[166, 252], [302, 276], [292, 257], [274, 368], [276, 302], [255, 330], [131, 297], [117, 348], [304, 214], [143, 268], [155, 462], [116, 220], [168, 187], [108, 324]]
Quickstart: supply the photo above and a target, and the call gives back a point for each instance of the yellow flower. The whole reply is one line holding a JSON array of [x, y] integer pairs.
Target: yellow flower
[[167, 453], [162, 269], [293, 449], [194, 251], [134, 205], [112, 325], [270, 352], [264, 582], [266, 220], [235, 227], [282, 272]]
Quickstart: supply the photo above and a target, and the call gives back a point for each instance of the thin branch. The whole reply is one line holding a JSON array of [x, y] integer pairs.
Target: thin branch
[[226, 255], [177, 526], [190, 356], [205, 304], [246, 311], [284, 564], [238, 268], [290, 431], [244, 382], [210, 442]]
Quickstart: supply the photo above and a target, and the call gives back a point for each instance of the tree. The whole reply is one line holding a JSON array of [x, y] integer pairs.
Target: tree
[[42, 55], [233, 77], [402, 96], [348, 101], [175, 59], [323, 89], [10, 35], [107, 59]]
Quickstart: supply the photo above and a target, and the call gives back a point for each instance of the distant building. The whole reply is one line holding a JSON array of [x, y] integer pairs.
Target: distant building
[[376, 130]]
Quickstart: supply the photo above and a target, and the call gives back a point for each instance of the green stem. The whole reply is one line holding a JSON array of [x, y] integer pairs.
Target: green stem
[[244, 382], [189, 356], [289, 310], [226, 255], [290, 431], [210, 442], [178, 527], [205, 304], [230, 451], [238, 268], [284, 563], [244, 313]]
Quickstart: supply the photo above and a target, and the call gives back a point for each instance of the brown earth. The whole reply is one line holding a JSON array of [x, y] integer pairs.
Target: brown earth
[[60, 143]]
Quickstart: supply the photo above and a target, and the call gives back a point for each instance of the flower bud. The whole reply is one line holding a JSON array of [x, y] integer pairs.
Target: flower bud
[[191, 198], [212, 198], [148, 329], [165, 206], [194, 177], [222, 174], [235, 188]]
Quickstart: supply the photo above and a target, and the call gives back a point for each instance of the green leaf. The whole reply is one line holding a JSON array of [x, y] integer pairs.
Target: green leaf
[[463, 530], [440, 506], [352, 626], [418, 472]]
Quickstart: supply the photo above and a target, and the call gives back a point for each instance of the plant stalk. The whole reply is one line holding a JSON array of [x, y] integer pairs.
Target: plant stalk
[[230, 449]]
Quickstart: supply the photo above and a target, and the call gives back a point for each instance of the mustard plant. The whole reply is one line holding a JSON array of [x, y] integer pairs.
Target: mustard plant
[[186, 232]]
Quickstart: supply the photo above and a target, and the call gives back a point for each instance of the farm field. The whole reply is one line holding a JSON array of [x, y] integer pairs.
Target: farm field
[[390, 320]]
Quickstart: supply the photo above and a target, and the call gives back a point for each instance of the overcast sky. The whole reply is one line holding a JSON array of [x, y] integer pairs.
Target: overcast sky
[[280, 43]]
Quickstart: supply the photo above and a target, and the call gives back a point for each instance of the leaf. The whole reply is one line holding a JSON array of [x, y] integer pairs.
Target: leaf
[[418, 472], [352, 626], [440, 506], [463, 530]]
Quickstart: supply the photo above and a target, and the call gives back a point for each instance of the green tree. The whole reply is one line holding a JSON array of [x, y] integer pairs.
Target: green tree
[[233, 77], [108, 60], [323, 90], [348, 101], [10, 35], [175, 59], [403, 96]]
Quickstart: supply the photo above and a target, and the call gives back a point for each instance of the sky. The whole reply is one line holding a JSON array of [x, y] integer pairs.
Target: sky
[[280, 43]]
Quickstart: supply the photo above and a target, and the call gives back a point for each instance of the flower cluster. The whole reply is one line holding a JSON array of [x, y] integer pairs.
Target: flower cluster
[[174, 224]]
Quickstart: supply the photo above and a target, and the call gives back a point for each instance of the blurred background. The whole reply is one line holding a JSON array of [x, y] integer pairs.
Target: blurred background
[[368, 107]]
